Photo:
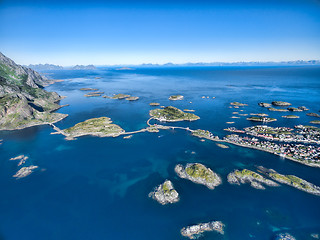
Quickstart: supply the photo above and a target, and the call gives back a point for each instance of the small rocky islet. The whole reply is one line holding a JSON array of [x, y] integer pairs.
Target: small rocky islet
[[284, 236], [238, 104], [132, 98], [266, 105], [154, 104], [94, 94], [195, 231], [198, 173], [176, 97], [313, 115], [89, 89], [165, 193], [24, 171], [290, 116], [272, 109], [280, 103]]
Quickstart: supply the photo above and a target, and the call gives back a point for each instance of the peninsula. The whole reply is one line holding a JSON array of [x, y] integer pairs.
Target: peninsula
[[23, 100]]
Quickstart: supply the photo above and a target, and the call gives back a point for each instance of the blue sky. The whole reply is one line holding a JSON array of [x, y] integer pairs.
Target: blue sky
[[134, 32]]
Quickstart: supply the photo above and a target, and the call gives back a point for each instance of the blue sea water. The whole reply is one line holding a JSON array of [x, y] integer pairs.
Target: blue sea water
[[97, 188]]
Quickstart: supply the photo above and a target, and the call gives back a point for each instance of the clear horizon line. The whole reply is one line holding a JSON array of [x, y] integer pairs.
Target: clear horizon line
[[189, 63]]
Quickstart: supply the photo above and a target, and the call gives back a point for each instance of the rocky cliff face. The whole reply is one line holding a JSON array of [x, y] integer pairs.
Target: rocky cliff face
[[23, 101]]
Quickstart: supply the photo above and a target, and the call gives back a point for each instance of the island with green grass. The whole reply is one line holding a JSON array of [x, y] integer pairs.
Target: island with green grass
[[266, 105], [292, 181], [154, 104], [172, 114], [89, 89], [290, 116], [120, 96], [238, 104], [294, 109], [132, 98], [198, 173], [247, 176], [281, 103], [176, 97], [101, 127], [94, 94], [261, 119], [165, 193], [272, 109]]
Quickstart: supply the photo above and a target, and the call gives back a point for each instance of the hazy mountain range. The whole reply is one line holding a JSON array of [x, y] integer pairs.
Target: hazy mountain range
[[41, 67]]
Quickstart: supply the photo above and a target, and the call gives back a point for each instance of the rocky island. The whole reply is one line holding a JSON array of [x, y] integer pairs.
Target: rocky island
[[261, 119], [24, 171], [175, 97], [22, 159], [165, 193], [172, 114], [293, 109], [238, 104], [154, 104], [247, 176], [195, 231], [266, 105], [23, 100], [290, 116], [284, 236], [94, 94], [89, 89], [120, 96], [313, 115], [278, 109], [101, 127], [303, 108], [204, 134], [132, 98], [198, 173], [292, 181], [281, 103]]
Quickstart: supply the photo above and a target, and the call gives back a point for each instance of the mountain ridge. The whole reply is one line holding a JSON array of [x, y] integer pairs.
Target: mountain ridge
[[23, 100]]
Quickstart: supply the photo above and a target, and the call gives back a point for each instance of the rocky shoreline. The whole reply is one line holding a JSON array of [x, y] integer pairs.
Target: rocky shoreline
[[292, 181], [101, 127], [195, 231], [247, 176], [165, 193]]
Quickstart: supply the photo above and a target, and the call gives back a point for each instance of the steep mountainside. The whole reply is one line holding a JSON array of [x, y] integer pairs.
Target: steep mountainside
[[23, 101]]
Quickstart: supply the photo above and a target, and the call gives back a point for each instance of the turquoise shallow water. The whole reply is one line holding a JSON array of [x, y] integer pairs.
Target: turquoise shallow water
[[97, 188]]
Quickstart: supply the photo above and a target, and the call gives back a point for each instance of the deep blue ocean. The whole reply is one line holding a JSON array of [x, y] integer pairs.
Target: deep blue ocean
[[97, 188]]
